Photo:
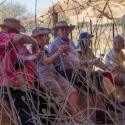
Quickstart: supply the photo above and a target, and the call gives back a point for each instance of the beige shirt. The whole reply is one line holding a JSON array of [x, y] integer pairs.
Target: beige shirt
[[90, 55], [116, 60]]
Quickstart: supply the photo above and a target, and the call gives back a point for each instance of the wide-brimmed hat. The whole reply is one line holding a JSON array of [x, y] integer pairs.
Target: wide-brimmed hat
[[85, 35], [13, 23], [62, 24], [41, 30]]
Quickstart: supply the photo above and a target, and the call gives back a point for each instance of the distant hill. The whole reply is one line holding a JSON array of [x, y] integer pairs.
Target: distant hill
[[82, 10]]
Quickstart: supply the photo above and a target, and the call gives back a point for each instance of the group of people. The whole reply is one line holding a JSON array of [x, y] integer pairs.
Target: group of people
[[60, 71]]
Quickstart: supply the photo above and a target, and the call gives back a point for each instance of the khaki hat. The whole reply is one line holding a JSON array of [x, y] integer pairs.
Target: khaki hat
[[62, 24], [41, 30], [13, 23]]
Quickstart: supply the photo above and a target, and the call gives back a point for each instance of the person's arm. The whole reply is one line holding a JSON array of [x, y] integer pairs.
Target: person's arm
[[99, 64], [51, 59], [25, 39], [53, 47], [123, 56], [79, 54]]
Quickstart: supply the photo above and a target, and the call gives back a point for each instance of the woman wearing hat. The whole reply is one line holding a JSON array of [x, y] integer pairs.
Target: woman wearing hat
[[17, 73], [55, 83], [85, 53]]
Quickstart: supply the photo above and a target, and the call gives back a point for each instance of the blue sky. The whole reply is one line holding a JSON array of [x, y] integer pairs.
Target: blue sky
[[41, 4]]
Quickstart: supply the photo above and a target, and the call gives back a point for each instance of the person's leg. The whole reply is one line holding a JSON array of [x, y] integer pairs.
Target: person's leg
[[120, 79], [94, 80], [73, 102], [43, 98], [71, 94], [110, 90], [24, 110], [82, 79]]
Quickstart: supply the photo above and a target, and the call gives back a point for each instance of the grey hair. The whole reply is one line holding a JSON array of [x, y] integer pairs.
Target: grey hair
[[116, 38]]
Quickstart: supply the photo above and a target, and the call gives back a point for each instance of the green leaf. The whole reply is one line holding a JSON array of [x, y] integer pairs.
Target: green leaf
[[30, 99], [20, 80], [48, 112], [10, 84], [43, 110], [23, 89], [59, 97], [54, 104], [15, 88]]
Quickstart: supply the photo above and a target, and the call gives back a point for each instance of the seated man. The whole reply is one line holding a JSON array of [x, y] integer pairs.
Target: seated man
[[69, 66], [116, 57], [55, 83]]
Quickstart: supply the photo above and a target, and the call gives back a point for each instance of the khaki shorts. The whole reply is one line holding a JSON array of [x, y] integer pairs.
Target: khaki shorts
[[108, 85], [59, 87], [55, 83]]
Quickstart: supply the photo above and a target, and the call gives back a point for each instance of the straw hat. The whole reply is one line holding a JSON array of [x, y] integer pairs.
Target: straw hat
[[41, 30], [13, 23], [62, 24]]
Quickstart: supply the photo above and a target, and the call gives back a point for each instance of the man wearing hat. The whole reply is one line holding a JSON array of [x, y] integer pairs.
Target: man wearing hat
[[54, 82], [17, 75], [69, 66], [116, 58]]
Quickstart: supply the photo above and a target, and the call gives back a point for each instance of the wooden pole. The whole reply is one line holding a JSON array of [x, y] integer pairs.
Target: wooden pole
[[91, 31], [91, 26], [113, 30], [54, 18], [71, 32]]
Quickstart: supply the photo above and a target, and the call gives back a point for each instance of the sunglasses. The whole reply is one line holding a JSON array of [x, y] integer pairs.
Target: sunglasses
[[13, 31], [47, 35]]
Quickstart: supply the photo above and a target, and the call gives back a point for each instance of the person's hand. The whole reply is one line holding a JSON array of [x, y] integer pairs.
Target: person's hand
[[64, 49], [111, 69], [85, 63], [118, 68], [40, 56], [93, 61]]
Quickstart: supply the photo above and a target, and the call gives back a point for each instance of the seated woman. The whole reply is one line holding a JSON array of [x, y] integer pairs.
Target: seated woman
[[85, 53], [55, 83]]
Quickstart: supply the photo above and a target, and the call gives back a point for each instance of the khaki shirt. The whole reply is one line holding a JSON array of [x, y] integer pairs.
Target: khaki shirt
[[116, 60], [90, 55]]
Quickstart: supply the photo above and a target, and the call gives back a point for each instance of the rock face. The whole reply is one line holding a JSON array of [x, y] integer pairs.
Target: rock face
[[84, 10]]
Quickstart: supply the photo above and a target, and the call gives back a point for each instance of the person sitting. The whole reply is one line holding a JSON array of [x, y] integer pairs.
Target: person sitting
[[116, 57], [85, 53], [54, 82], [69, 67], [17, 76]]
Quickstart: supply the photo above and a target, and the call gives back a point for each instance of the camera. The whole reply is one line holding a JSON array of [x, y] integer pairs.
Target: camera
[[67, 44], [18, 64]]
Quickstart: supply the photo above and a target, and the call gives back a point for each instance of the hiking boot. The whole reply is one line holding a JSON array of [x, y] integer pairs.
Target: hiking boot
[[121, 105], [102, 119], [110, 107]]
